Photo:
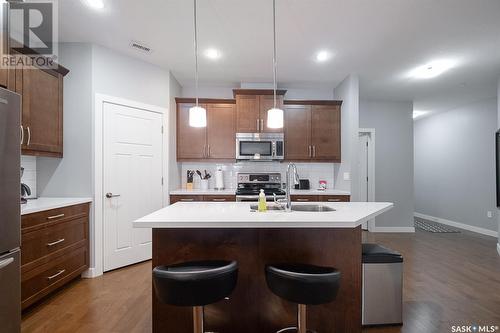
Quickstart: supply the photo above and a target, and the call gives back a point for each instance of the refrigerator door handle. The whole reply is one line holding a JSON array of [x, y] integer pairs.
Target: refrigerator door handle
[[6, 262], [22, 135]]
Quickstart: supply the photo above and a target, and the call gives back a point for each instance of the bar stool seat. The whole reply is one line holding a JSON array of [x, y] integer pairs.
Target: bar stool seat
[[303, 284], [195, 284]]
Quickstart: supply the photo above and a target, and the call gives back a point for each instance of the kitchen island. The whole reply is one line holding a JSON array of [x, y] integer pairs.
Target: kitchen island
[[208, 230]]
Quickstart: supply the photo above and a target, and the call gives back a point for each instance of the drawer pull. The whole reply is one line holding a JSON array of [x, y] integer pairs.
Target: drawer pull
[[187, 200], [56, 242], [302, 200], [55, 217], [333, 200], [56, 275], [219, 200]]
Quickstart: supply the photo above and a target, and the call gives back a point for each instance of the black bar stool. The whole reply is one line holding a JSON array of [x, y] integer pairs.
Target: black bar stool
[[196, 284], [303, 284]]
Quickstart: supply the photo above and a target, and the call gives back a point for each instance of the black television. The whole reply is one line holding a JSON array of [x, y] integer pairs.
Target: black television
[[497, 149]]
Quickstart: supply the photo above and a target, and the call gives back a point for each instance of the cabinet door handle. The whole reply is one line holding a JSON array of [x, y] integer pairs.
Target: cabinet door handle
[[258, 125], [302, 200], [205, 151], [56, 242], [29, 136], [262, 125], [310, 151], [55, 217], [22, 135], [209, 152], [314, 151], [56, 275], [218, 200], [186, 200], [333, 200]]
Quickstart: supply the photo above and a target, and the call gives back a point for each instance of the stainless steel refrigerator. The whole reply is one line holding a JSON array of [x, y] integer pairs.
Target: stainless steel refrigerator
[[10, 216]]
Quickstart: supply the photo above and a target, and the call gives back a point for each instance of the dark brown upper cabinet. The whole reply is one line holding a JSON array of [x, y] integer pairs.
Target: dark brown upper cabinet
[[42, 108], [251, 109], [313, 131], [214, 142]]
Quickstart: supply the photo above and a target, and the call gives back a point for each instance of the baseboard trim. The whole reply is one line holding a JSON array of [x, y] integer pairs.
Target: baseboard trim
[[91, 273], [458, 225], [394, 229]]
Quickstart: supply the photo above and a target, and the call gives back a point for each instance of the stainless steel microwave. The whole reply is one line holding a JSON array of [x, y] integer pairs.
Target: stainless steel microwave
[[260, 146]]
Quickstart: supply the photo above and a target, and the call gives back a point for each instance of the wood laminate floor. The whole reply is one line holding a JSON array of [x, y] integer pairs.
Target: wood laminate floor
[[450, 279]]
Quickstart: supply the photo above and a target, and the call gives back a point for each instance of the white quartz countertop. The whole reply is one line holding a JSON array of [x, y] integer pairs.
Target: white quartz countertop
[[318, 192], [184, 191], [239, 215], [42, 204], [232, 191]]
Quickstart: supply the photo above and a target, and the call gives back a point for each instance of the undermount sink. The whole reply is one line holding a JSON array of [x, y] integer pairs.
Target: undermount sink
[[298, 208], [312, 208]]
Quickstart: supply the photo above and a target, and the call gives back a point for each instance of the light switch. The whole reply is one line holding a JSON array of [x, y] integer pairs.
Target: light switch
[[489, 214], [347, 176]]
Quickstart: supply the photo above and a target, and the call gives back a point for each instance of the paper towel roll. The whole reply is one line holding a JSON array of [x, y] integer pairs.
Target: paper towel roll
[[219, 179]]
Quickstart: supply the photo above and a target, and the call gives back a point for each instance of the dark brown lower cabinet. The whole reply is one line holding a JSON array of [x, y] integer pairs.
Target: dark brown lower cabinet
[[320, 198], [193, 198], [54, 250]]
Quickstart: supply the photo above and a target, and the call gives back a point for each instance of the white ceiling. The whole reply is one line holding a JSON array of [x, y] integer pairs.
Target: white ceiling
[[379, 40]]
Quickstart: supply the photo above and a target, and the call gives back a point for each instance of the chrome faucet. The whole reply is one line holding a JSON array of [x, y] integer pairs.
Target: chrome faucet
[[288, 187]]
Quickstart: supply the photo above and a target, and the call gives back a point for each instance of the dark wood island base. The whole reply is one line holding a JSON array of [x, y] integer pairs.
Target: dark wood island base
[[252, 308]]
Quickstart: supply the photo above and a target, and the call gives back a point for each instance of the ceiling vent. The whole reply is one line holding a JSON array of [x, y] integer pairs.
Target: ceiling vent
[[140, 47]]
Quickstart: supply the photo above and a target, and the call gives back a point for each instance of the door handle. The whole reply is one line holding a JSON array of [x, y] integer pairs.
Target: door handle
[[111, 195], [56, 275], [6, 262], [22, 135], [29, 136], [56, 242]]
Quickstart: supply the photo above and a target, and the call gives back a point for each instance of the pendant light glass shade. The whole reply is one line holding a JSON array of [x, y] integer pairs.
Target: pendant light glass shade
[[197, 117], [275, 118], [275, 115]]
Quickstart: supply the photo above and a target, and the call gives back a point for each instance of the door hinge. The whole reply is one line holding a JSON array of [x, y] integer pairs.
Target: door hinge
[[161, 181], [162, 130]]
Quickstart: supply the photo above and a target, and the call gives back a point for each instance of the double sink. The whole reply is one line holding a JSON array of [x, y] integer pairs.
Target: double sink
[[298, 208]]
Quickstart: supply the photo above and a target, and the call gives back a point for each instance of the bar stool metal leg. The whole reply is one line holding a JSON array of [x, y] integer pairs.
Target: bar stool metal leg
[[301, 318], [198, 319]]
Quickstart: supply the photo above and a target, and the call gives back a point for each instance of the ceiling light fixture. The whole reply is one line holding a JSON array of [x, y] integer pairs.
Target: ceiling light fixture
[[322, 56], [197, 114], [432, 69], [96, 4], [212, 54], [417, 114], [275, 115]]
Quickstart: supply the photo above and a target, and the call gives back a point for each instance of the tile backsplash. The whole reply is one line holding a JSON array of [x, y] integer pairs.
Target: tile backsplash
[[312, 171], [29, 176]]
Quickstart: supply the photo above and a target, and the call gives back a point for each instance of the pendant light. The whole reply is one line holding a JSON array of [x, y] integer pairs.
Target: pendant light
[[197, 114], [275, 115]]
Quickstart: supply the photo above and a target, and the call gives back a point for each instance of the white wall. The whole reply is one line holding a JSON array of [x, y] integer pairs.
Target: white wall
[[348, 92], [174, 168], [29, 175], [72, 175], [227, 92], [455, 165], [393, 125]]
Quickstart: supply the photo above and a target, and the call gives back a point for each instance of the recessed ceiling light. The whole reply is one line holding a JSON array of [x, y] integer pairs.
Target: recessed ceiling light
[[322, 56], [419, 113], [432, 69], [96, 4], [212, 53]]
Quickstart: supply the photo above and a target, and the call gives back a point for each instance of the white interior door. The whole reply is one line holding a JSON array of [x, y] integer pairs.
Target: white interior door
[[363, 170], [132, 156]]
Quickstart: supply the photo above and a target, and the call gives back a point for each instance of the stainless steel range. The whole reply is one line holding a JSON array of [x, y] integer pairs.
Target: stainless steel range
[[250, 184]]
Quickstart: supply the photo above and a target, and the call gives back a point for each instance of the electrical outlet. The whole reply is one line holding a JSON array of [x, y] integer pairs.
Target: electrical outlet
[[489, 214], [347, 176]]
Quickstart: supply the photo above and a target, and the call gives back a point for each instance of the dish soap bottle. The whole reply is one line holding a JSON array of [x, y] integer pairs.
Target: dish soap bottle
[[262, 201]]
